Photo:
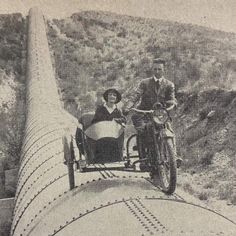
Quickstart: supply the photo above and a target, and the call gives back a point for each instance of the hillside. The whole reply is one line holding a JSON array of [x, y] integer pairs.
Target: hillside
[[96, 50], [100, 47], [206, 132], [12, 95]]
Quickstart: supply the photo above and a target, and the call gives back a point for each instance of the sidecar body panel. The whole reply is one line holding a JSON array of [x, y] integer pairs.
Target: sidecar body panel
[[104, 129], [103, 142]]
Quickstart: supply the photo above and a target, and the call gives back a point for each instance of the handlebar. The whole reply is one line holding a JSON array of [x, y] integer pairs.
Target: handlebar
[[142, 111], [151, 111], [156, 106]]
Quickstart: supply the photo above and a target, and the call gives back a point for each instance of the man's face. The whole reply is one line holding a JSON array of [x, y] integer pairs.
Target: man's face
[[158, 70]]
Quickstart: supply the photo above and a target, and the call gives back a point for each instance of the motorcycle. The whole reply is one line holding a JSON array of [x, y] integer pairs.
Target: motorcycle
[[156, 147]]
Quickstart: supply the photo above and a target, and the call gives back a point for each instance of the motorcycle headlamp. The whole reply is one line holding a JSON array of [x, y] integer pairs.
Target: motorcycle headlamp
[[160, 116]]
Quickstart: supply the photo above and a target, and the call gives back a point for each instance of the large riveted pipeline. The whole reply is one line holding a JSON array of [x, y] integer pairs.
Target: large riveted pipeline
[[42, 157], [108, 199]]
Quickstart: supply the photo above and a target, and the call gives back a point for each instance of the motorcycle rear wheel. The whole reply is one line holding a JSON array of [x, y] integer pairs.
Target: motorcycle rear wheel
[[166, 169]]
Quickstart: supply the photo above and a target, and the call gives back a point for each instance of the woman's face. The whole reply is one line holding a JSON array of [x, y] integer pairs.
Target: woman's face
[[111, 97]]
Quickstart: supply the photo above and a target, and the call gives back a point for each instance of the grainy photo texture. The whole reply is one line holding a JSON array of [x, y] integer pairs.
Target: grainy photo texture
[[117, 117]]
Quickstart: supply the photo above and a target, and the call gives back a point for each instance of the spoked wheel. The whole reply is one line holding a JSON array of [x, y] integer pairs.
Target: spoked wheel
[[142, 154], [165, 172]]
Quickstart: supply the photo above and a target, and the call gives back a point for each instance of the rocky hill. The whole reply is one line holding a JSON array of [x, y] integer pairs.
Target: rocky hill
[[12, 95], [206, 130], [95, 50]]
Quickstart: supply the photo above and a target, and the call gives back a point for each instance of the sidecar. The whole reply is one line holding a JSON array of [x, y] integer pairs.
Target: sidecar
[[102, 141]]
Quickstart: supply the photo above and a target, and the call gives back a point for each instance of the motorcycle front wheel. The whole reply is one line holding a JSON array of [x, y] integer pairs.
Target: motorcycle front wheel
[[166, 167]]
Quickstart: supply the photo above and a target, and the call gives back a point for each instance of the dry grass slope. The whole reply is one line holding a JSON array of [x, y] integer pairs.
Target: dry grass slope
[[99, 49], [12, 79]]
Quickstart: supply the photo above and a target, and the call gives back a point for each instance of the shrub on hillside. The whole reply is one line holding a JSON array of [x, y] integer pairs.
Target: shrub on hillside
[[203, 114], [13, 62], [197, 59], [204, 195], [13, 44], [12, 125], [232, 198], [122, 33], [193, 70], [195, 133], [207, 158], [225, 190]]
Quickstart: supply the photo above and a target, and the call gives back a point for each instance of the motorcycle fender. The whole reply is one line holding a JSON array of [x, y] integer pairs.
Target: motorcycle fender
[[166, 133]]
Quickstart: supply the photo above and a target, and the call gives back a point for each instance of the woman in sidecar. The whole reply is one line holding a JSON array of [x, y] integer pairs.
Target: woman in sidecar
[[103, 132]]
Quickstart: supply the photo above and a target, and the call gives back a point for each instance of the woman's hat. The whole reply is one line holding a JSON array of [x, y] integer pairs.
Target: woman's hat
[[118, 95]]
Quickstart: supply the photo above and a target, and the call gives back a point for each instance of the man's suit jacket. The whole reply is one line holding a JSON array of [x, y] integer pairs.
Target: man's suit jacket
[[149, 91]]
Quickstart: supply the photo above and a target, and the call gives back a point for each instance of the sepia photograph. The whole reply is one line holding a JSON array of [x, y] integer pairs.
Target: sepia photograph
[[117, 117]]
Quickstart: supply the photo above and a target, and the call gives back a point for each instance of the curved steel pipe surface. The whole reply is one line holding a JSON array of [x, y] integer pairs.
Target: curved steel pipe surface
[[107, 199], [42, 154]]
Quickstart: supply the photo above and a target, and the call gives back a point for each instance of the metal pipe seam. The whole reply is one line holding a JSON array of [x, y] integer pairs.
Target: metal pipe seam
[[41, 162], [18, 202], [14, 225], [45, 137], [48, 181], [42, 191], [30, 173]]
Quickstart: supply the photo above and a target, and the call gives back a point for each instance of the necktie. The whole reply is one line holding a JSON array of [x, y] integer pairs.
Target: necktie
[[157, 86]]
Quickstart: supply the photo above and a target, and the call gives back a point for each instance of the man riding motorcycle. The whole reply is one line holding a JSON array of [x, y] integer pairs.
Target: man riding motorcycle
[[150, 91]]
